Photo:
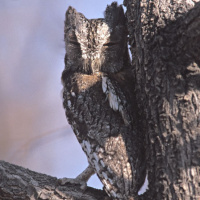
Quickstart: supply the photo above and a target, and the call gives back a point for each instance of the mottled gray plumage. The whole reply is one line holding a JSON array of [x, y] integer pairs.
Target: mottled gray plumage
[[98, 98]]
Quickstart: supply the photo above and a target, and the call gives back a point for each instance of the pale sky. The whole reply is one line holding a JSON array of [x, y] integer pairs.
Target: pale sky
[[34, 131]]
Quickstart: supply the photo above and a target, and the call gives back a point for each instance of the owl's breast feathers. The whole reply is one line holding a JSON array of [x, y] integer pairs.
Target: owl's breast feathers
[[105, 134]]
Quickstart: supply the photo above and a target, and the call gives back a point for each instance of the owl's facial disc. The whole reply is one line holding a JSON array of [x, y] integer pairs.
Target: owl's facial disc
[[96, 45], [96, 34]]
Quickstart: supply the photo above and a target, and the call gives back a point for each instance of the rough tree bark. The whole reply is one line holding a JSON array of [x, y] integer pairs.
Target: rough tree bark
[[164, 37], [18, 183], [165, 47]]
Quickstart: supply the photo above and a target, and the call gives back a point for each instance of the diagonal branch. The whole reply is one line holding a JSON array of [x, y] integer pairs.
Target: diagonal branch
[[19, 183]]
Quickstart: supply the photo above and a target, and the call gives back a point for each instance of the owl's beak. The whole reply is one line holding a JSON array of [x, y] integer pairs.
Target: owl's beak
[[96, 63]]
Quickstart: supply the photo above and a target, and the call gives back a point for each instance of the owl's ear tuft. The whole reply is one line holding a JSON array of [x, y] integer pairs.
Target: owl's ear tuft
[[71, 12], [72, 17], [114, 15]]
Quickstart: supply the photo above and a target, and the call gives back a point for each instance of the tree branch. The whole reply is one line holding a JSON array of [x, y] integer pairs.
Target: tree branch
[[19, 183]]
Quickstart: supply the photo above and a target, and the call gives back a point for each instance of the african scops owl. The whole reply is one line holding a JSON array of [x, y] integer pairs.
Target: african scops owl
[[98, 98]]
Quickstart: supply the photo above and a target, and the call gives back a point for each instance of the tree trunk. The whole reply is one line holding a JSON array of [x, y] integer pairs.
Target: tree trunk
[[165, 44]]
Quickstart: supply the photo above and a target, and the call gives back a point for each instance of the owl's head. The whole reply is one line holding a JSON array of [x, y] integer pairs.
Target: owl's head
[[96, 45]]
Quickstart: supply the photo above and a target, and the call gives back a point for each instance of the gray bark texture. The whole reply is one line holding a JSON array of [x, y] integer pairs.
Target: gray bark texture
[[165, 44], [164, 38], [18, 183]]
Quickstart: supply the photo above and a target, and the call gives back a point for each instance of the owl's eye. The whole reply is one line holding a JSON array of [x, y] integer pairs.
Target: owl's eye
[[108, 44], [74, 42]]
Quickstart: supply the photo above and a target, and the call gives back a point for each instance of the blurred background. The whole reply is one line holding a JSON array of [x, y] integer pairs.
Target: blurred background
[[34, 132]]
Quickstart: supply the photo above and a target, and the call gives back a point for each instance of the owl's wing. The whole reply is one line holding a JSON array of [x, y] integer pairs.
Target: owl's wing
[[117, 96]]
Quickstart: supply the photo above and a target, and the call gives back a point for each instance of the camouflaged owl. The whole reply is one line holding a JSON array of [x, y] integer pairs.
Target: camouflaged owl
[[99, 100]]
